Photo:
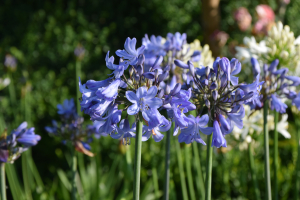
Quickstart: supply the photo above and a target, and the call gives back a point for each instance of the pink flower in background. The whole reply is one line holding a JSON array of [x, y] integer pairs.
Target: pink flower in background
[[265, 12], [219, 37], [266, 19], [243, 18]]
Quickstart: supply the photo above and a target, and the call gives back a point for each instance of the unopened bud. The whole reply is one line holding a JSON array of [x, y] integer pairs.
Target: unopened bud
[[207, 103], [207, 70]]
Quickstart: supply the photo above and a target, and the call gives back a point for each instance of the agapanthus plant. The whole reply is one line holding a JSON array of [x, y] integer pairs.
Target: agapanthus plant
[[142, 84], [14, 144], [216, 89], [277, 86], [70, 128]]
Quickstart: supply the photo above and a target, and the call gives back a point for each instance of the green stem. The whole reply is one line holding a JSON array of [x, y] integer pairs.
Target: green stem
[[200, 182], [137, 159], [74, 169], [266, 146], [208, 167], [275, 156], [78, 74], [297, 170], [167, 164], [11, 89], [3, 185], [253, 173], [181, 171], [189, 172]]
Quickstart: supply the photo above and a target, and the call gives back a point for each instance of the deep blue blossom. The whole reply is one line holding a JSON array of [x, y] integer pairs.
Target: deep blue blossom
[[130, 54], [218, 89], [17, 142], [192, 131], [124, 131], [274, 86]]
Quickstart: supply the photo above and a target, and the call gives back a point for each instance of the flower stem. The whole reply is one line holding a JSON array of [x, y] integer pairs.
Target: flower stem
[[189, 171], [167, 164], [78, 74], [297, 170], [266, 146], [200, 182], [3, 185], [181, 171], [253, 173], [74, 169], [275, 156], [137, 159], [208, 167]]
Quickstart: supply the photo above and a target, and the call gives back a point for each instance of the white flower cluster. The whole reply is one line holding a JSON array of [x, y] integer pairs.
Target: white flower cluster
[[206, 54], [279, 44], [253, 123]]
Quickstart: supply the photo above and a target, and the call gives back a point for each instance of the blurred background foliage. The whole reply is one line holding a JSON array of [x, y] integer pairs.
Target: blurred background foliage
[[42, 35]]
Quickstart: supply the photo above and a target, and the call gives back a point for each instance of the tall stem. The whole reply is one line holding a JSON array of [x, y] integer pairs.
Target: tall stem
[[137, 159], [74, 169], [78, 74], [275, 156], [266, 146], [208, 167], [189, 171], [297, 170], [181, 171], [199, 182], [253, 173], [167, 164], [3, 184]]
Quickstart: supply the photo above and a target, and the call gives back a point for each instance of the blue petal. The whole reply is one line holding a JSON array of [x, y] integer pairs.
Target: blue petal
[[133, 109]]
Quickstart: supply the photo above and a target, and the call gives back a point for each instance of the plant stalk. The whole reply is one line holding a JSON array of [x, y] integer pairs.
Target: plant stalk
[[200, 182], [78, 74], [275, 156], [297, 170], [267, 156], [181, 171], [189, 172], [74, 170], [3, 184], [167, 164], [208, 168], [137, 159], [253, 173]]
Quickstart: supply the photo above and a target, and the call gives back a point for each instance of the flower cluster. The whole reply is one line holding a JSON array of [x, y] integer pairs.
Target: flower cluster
[[71, 128], [253, 126], [149, 88], [218, 90], [277, 85], [280, 43], [17, 142]]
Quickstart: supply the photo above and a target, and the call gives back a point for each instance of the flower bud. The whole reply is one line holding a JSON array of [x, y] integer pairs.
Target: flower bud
[[181, 64], [255, 67], [191, 67], [176, 89], [141, 59], [207, 70], [168, 89], [207, 103], [215, 94], [157, 62], [139, 70], [130, 71], [160, 93]]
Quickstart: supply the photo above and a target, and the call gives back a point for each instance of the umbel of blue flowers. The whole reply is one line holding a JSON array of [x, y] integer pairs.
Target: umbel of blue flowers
[[71, 128], [218, 90], [136, 85], [13, 145], [277, 85], [168, 49]]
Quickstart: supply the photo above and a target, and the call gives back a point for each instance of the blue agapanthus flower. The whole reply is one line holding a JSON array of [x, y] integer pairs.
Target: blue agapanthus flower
[[71, 128], [218, 89], [277, 84], [17, 142], [149, 89]]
